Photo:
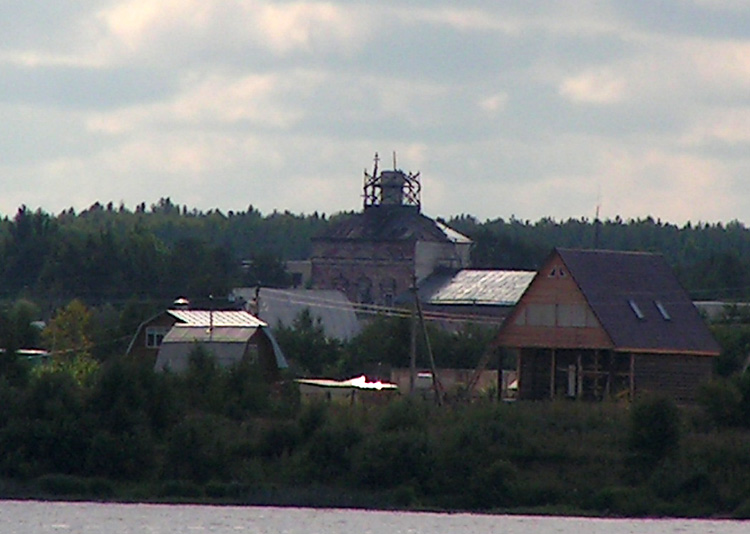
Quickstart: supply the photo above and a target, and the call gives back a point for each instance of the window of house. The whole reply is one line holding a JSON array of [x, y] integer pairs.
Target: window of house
[[557, 272], [573, 315], [540, 314], [155, 335]]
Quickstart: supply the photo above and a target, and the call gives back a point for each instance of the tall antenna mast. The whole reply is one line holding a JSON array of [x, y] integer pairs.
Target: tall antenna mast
[[597, 222]]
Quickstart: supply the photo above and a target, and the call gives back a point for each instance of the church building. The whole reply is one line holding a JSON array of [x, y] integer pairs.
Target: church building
[[377, 254]]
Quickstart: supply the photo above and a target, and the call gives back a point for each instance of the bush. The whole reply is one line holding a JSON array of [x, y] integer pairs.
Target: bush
[[62, 485], [100, 488], [198, 449], [404, 414], [743, 510], [654, 429], [624, 501], [492, 487], [125, 456], [180, 488], [279, 439], [722, 402], [331, 450], [387, 460]]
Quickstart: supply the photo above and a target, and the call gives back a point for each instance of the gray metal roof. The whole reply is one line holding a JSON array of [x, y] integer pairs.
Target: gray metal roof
[[283, 306], [218, 334], [216, 318], [483, 287], [453, 235]]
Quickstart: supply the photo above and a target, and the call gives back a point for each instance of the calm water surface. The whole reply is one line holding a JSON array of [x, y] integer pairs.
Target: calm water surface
[[38, 517]]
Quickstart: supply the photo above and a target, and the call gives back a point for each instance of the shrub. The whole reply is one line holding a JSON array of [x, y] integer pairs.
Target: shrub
[[198, 449], [722, 402], [387, 460], [404, 414], [62, 485], [331, 450], [743, 510], [125, 456], [492, 486], [279, 439], [654, 429], [180, 488], [100, 488]]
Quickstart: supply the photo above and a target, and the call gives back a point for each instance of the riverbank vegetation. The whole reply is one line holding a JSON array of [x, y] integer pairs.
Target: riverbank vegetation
[[217, 435]]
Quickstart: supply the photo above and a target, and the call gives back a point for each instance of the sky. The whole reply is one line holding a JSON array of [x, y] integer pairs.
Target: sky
[[523, 108]]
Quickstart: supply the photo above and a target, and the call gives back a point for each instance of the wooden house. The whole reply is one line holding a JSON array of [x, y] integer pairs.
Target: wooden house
[[595, 324]]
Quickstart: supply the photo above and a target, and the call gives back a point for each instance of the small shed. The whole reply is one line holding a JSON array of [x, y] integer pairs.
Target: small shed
[[600, 324]]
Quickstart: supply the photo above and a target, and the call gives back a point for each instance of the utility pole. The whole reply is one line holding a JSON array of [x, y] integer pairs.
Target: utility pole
[[413, 347], [436, 385], [210, 318]]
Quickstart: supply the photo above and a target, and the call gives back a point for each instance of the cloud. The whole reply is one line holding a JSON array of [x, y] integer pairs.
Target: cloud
[[139, 27], [603, 87], [506, 107]]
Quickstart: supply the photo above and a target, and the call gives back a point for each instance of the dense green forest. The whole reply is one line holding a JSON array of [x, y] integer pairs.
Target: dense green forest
[[111, 254]]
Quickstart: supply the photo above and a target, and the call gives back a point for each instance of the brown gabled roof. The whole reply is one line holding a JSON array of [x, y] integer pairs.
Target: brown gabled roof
[[639, 301]]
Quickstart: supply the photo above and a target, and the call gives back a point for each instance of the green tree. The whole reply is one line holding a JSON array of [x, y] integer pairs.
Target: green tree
[[306, 344], [654, 431], [68, 337]]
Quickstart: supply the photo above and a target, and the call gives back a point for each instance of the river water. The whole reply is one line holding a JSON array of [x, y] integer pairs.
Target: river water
[[29, 517]]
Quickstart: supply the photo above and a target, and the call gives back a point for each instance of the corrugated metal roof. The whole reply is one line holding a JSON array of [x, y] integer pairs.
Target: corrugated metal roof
[[218, 334], [485, 287], [283, 306], [452, 235], [216, 318]]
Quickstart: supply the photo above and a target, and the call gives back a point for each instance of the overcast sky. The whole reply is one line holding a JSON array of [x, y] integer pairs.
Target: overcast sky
[[530, 108]]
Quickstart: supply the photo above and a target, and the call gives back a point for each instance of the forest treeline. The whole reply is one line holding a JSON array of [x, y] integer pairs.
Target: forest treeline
[[109, 253]]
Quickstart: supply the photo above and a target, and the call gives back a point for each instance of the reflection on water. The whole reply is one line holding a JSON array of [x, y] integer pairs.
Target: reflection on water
[[39, 517]]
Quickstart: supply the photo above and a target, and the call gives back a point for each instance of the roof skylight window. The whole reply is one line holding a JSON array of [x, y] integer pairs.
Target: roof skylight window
[[662, 310], [636, 309]]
